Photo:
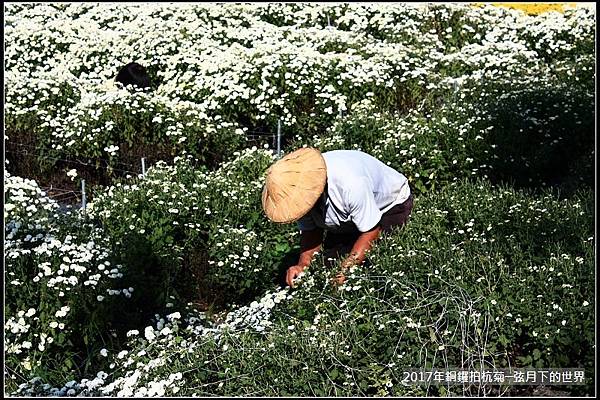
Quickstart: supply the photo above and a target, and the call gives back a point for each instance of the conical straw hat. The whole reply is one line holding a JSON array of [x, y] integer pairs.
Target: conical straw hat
[[293, 185]]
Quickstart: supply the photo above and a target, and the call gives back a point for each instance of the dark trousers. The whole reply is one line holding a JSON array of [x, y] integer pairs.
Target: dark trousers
[[338, 244]]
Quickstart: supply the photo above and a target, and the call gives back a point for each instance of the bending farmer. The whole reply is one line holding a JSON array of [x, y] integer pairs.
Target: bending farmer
[[345, 196]]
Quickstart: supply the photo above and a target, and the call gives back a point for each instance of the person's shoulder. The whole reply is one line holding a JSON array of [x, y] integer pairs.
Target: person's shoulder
[[346, 181], [350, 162], [348, 156], [339, 163], [342, 153], [343, 156]]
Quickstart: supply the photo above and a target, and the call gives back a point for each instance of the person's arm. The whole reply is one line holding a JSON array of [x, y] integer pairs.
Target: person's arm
[[310, 243], [358, 252], [360, 248], [366, 215]]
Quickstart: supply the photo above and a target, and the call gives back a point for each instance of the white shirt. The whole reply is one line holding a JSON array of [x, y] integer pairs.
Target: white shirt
[[360, 188]]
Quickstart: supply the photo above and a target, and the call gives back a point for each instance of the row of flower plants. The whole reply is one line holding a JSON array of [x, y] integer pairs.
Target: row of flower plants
[[480, 107], [482, 275], [222, 71]]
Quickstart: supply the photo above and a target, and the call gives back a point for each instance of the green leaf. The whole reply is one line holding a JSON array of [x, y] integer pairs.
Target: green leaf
[[503, 340], [334, 374], [419, 185], [363, 384], [526, 361], [282, 247], [432, 335]]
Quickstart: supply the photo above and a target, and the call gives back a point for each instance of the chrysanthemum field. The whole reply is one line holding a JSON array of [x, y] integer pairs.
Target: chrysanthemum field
[[170, 283]]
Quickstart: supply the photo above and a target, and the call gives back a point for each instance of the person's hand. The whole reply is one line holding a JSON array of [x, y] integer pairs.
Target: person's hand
[[339, 279], [292, 273]]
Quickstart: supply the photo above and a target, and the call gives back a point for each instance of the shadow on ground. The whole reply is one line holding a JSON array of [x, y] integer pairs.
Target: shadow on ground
[[542, 137]]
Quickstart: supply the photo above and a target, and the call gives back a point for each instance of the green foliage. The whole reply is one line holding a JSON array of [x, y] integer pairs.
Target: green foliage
[[61, 281], [473, 278], [179, 222], [482, 304]]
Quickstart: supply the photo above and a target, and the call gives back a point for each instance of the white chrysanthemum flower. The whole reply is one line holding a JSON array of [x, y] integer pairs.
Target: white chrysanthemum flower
[[149, 333], [72, 173]]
